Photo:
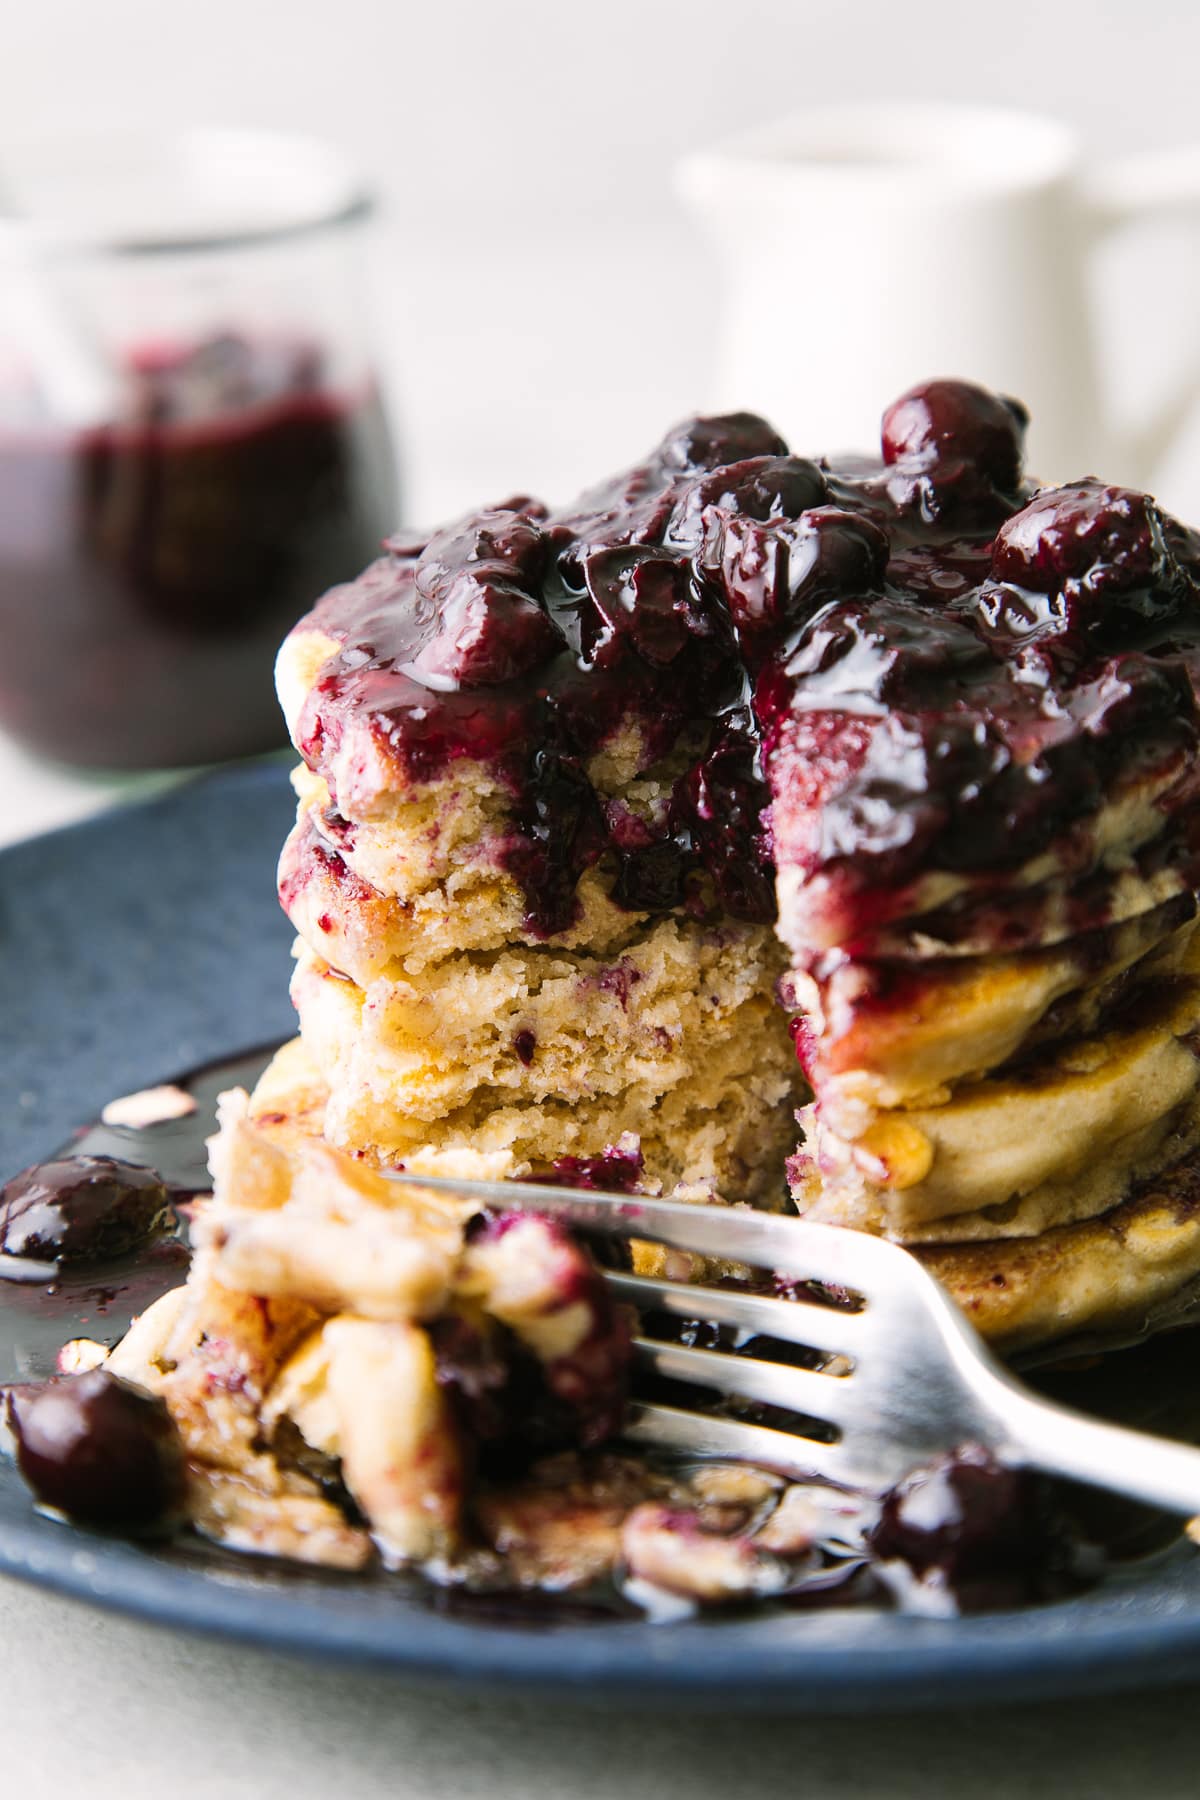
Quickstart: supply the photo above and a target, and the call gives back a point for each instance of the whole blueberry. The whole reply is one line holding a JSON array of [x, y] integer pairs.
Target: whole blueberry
[[964, 1515], [1083, 530], [99, 1449], [488, 632], [707, 443], [501, 539], [949, 427], [781, 571], [763, 487], [648, 597]]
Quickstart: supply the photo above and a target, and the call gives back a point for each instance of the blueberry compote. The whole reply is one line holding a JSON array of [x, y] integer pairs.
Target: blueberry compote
[[511, 1403], [149, 566], [88, 1240], [91, 1237], [974, 1528], [918, 656]]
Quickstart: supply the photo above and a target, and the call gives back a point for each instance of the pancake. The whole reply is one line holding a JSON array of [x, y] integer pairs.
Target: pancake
[[1050, 1141], [1115, 1277], [885, 1034], [533, 1055], [541, 1024], [368, 932]]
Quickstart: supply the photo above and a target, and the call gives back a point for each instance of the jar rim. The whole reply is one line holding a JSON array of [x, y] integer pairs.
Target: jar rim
[[141, 193]]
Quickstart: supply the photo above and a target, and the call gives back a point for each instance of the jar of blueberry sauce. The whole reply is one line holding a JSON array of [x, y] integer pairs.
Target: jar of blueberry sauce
[[193, 445]]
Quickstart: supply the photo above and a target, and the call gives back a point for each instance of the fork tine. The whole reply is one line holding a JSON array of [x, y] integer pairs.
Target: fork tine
[[794, 1321], [700, 1434], [825, 1253], [829, 1398]]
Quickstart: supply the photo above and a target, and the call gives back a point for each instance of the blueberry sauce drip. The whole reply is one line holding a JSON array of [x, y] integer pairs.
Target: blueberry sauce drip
[[982, 1530], [507, 1409], [512, 1403], [588, 1375], [495, 1387]]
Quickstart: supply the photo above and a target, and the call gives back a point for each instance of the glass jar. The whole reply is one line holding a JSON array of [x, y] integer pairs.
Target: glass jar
[[192, 440]]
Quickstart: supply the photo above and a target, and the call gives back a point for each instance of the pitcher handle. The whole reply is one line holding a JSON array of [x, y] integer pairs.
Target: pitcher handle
[[1150, 184]]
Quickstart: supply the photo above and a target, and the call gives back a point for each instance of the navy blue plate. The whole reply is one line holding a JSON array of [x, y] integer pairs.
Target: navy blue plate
[[149, 942]]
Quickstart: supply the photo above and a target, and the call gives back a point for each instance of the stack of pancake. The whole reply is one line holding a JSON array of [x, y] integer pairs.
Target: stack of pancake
[[898, 742]]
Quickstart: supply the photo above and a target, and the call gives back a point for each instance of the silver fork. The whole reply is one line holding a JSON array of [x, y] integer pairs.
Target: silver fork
[[910, 1377]]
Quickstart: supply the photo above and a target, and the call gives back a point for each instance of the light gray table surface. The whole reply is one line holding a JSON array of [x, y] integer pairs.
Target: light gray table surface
[[95, 1707]]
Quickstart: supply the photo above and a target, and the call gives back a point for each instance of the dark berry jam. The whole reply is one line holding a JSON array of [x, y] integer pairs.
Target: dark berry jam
[[149, 566], [576, 1396], [971, 1523], [614, 1171], [860, 668]]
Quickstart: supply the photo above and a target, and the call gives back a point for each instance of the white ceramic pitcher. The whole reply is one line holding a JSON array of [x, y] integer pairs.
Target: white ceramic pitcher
[[865, 247]]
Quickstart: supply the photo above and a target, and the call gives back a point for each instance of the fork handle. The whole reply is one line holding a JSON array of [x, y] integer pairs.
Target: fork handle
[[1060, 1441]]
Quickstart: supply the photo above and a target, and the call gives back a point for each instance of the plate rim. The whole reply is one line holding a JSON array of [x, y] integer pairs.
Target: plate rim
[[986, 1658]]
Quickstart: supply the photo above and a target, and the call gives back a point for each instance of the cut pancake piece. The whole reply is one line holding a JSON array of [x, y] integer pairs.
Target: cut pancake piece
[[290, 1096], [725, 1131], [367, 933], [316, 1362], [542, 1023], [1050, 1142], [441, 865]]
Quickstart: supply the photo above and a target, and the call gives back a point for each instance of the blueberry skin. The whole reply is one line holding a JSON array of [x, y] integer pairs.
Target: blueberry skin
[[99, 1449]]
